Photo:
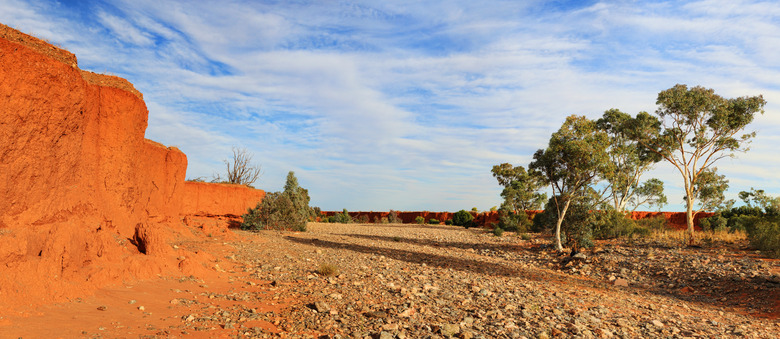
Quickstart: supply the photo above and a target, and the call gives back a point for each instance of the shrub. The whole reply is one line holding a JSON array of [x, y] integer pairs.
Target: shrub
[[764, 235], [514, 222], [525, 236], [497, 231], [657, 223], [342, 217], [327, 270], [433, 221], [611, 224], [384, 220], [287, 210], [363, 219], [448, 222], [393, 218], [714, 223], [463, 218], [419, 219]]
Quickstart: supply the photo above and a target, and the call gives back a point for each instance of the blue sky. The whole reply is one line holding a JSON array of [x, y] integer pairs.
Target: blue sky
[[380, 105]]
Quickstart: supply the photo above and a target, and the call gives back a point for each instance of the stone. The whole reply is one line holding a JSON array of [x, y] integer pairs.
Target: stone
[[390, 327], [620, 282], [580, 256], [449, 330], [321, 307]]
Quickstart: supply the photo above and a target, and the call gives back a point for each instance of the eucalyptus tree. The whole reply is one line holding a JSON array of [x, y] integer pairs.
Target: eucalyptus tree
[[628, 160], [572, 161], [693, 128], [521, 187]]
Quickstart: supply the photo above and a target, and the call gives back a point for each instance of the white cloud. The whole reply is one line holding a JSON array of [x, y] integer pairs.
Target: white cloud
[[408, 104]]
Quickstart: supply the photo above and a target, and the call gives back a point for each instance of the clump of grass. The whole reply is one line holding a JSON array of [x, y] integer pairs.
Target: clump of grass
[[327, 270], [396, 239], [679, 238], [525, 236]]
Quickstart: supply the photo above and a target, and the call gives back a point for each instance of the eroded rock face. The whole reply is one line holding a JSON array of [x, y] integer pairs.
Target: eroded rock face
[[85, 199]]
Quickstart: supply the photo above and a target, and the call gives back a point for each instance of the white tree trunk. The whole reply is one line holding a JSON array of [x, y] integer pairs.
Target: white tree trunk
[[562, 214]]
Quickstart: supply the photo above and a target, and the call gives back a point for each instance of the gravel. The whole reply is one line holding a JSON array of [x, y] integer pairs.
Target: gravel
[[423, 281]]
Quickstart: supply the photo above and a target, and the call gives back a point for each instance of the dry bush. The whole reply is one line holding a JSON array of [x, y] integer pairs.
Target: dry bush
[[327, 270], [240, 170]]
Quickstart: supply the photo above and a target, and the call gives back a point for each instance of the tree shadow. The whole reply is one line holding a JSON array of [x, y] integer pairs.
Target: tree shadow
[[743, 295], [437, 243], [436, 260]]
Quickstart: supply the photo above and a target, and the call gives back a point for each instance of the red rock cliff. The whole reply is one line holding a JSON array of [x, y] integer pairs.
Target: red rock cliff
[[84, 198]]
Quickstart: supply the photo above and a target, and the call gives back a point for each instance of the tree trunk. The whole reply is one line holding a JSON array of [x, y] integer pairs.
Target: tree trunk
[[562, 214], [689, 217]]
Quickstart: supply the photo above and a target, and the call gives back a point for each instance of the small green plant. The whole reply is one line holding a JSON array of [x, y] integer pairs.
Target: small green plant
[[327, 270], [497, 231], [525, 236], [448, 222], [433, 221], [396, 239], [463, 218], [419, 219]]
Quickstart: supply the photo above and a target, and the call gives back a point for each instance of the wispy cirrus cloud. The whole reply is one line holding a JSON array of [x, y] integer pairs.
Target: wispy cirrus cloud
[[405, 104]]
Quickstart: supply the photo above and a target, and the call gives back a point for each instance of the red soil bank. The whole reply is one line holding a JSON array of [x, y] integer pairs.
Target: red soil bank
[[218, 199], [85, 200], [675, 220]]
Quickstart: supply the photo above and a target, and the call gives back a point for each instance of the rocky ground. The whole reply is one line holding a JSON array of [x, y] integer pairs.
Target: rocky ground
[[415, 281], [409, 281]]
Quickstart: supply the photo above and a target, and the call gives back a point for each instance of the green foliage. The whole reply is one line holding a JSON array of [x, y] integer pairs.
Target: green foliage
[[474, 209], [709, 189], [433, 221], [342, 217], [764, 235], [693, 129], [287, 210], [515, 222], [362, 219], [574, 157], [714, 223], [521, 188], [628, 160], [610, 224], [498, 231], [657, 223], [525, 236], [393, 218], [419, 219], [448, 222], [759, 199], [463, 218]]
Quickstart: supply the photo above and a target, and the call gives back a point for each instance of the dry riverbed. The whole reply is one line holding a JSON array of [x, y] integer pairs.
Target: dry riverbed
[[422, 281]]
